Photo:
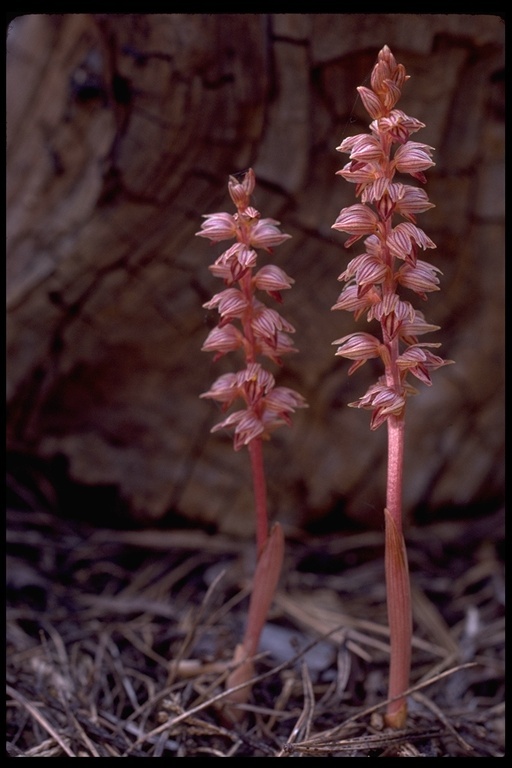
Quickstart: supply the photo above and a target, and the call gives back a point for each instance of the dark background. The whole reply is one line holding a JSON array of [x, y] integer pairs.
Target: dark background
[[122, 131]]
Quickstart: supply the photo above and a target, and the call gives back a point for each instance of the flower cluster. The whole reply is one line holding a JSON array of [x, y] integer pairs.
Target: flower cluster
[[391, 258], [246, 323]]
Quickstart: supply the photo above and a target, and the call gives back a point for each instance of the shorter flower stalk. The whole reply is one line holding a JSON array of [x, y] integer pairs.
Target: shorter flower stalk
[[390, 262], [248, 325], [399, 619], [266, 577]]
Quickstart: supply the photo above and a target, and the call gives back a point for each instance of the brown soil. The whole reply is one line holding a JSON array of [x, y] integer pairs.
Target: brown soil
[[118, 643]]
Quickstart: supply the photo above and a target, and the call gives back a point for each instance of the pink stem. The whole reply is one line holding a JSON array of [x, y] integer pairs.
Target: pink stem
[[260, 493], [266, 578], [396, 432], [398, 594], [397, 579], [255, 446]]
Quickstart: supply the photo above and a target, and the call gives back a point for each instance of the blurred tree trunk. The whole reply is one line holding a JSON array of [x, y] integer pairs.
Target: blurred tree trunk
[[122, 131]]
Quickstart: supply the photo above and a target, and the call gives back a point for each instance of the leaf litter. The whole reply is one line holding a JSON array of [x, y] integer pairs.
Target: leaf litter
[[119, 643]]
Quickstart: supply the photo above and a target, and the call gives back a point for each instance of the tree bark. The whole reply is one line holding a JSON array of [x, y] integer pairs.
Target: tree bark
[[122, 131]]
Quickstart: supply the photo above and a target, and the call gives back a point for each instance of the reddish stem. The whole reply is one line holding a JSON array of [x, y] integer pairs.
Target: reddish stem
[[260, 493], [398, 595], [396, 433], [265, 582], [255, 446], [397, 579]]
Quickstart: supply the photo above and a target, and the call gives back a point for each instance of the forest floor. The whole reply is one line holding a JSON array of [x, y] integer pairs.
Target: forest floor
[[119, 641]]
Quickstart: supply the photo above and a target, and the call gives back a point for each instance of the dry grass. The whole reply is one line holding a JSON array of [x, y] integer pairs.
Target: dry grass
[[118, 644]]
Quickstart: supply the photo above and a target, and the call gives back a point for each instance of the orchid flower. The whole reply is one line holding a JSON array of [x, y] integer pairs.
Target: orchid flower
[[390, 262], [248, 325]]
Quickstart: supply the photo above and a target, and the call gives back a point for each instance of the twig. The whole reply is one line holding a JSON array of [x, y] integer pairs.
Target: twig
[[43, 722], [303, 724], [420, 697], [223, 694], [358, 743], [332, 732]]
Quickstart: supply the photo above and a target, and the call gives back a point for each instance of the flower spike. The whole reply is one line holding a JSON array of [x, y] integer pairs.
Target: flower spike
[[247, 324], [372, 281]]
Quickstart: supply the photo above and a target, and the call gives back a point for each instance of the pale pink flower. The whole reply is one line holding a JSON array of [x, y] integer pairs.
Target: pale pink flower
[[392, 313], [232, 265], [223, 339], [231, 303], [397, 125], [351, 300], [383, 401], [417, 326], [249, 214], [368, 271], [241, 191], [371, 271], [217, 227], [225, 271], [413, 158], [266, 233], [254, 382], [363, 148], [353, 265], [240, 253], [225, 389], [246, 323], [247, 426], [273, 280], [420, 361], [411, 202], [420, 278], [381, 187], [283, 400], [266, 322], [404, 238], [267, 408], [357, 220], [360, 174], [388, 78], [359, 347], [372, 103], [280, 344], [349, 142]]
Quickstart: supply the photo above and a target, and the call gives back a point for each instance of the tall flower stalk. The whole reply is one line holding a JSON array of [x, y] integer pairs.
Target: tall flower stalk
[[373, 280], [249, 326]]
